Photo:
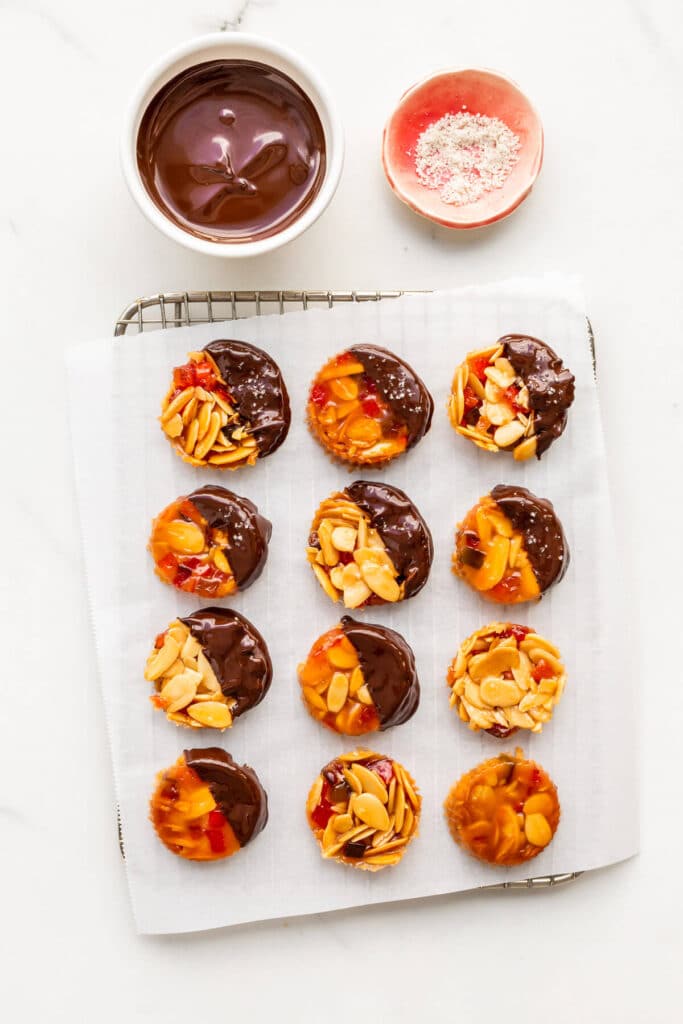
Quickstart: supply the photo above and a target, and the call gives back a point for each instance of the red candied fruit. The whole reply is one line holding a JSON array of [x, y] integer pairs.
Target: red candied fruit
[[478, 365], [323, 812], [542, 670], [382, 767], [318, 395], [194, 375], [471, 398], [507, 589], [215, 834], [371, 407]]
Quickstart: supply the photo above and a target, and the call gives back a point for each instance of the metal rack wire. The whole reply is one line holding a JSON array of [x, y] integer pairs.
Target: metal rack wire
[[183, 309]]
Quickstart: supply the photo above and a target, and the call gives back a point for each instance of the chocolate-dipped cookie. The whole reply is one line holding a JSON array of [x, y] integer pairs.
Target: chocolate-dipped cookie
[[369, 545], [208, 668], [366, 406], [513, 396], [360, 677], [206, 807], [227, 406], [511, 546], [506, 677], [364, 810], [505, 811], [210, 543]]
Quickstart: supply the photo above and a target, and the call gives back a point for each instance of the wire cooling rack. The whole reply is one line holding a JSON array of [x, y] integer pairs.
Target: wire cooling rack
[[183, 309]]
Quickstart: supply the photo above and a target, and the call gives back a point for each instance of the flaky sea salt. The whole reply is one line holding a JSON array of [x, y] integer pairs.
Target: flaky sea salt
[[465, 156]]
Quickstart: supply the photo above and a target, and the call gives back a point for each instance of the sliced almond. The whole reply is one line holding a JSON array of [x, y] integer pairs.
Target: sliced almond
[[499, 693], [371, 811], [344, 538], [509, 433], [371, 782], [211, 713], [356, 594], [337, 692], [162, 659], [185, 538]]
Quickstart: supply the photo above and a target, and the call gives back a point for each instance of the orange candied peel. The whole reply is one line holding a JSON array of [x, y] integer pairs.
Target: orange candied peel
[[349, 416], [186, 818], [505, 811], [490, 556], [333, 687], [189, 554]]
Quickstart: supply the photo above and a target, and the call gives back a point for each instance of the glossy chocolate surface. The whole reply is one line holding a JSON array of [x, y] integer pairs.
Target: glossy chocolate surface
[[544, 539], [550, 385], [388, 666], [236, 652], [404, 532], [257, 390], [236, 789], [248, 532], [400, 387], [231, 150]]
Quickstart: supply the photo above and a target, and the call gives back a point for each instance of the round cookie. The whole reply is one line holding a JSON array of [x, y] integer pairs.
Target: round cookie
[[360, 677], [505, 811], [227, 406], [369, 545], [366, 406], [506, 677], [364, 810], [511, 546], [208, 668], [211, 542], [207, 807], [513, 396]]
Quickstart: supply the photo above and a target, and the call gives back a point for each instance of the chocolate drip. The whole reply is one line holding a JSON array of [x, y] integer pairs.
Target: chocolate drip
[[404, 532], [544, 539], [236, 652], [239, 795], [247, 531], [388, 666], [231, 150], [550, 385], [257, 390], [400, 387]]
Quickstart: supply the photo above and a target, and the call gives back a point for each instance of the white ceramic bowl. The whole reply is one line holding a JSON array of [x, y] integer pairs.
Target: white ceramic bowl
[[235, 46]]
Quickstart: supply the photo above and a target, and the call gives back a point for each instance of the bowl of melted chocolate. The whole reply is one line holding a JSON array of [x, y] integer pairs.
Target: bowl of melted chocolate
[[232, 146]]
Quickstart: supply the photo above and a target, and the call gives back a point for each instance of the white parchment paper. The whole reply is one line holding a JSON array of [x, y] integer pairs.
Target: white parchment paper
[[127, 472]]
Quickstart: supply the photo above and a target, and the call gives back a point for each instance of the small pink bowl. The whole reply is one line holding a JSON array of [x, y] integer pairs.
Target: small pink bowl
[[448, 92]]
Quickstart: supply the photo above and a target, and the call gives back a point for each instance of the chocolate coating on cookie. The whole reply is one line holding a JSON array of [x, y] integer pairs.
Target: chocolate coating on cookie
[[236, 652], [236, 789], [388, 666], [550, 385], [256, 389], [544, 539], [404, 532], [247, 530], [400, 387]]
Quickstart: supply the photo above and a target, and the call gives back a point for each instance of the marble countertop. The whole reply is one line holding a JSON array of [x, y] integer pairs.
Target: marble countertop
[[74, 250]]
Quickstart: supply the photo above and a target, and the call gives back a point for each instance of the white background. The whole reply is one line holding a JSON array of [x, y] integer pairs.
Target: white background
[[73, 251]]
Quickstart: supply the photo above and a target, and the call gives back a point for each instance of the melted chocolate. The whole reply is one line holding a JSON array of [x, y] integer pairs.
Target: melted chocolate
[[544, 539], [551, 386], [231, 150], [388, 666], [236, 652], [404, 532], [247, 531], [236, 789], [400, 387], [257, 390]]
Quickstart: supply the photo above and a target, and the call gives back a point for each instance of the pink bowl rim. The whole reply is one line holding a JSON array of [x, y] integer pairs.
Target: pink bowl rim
[[454, 221]]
